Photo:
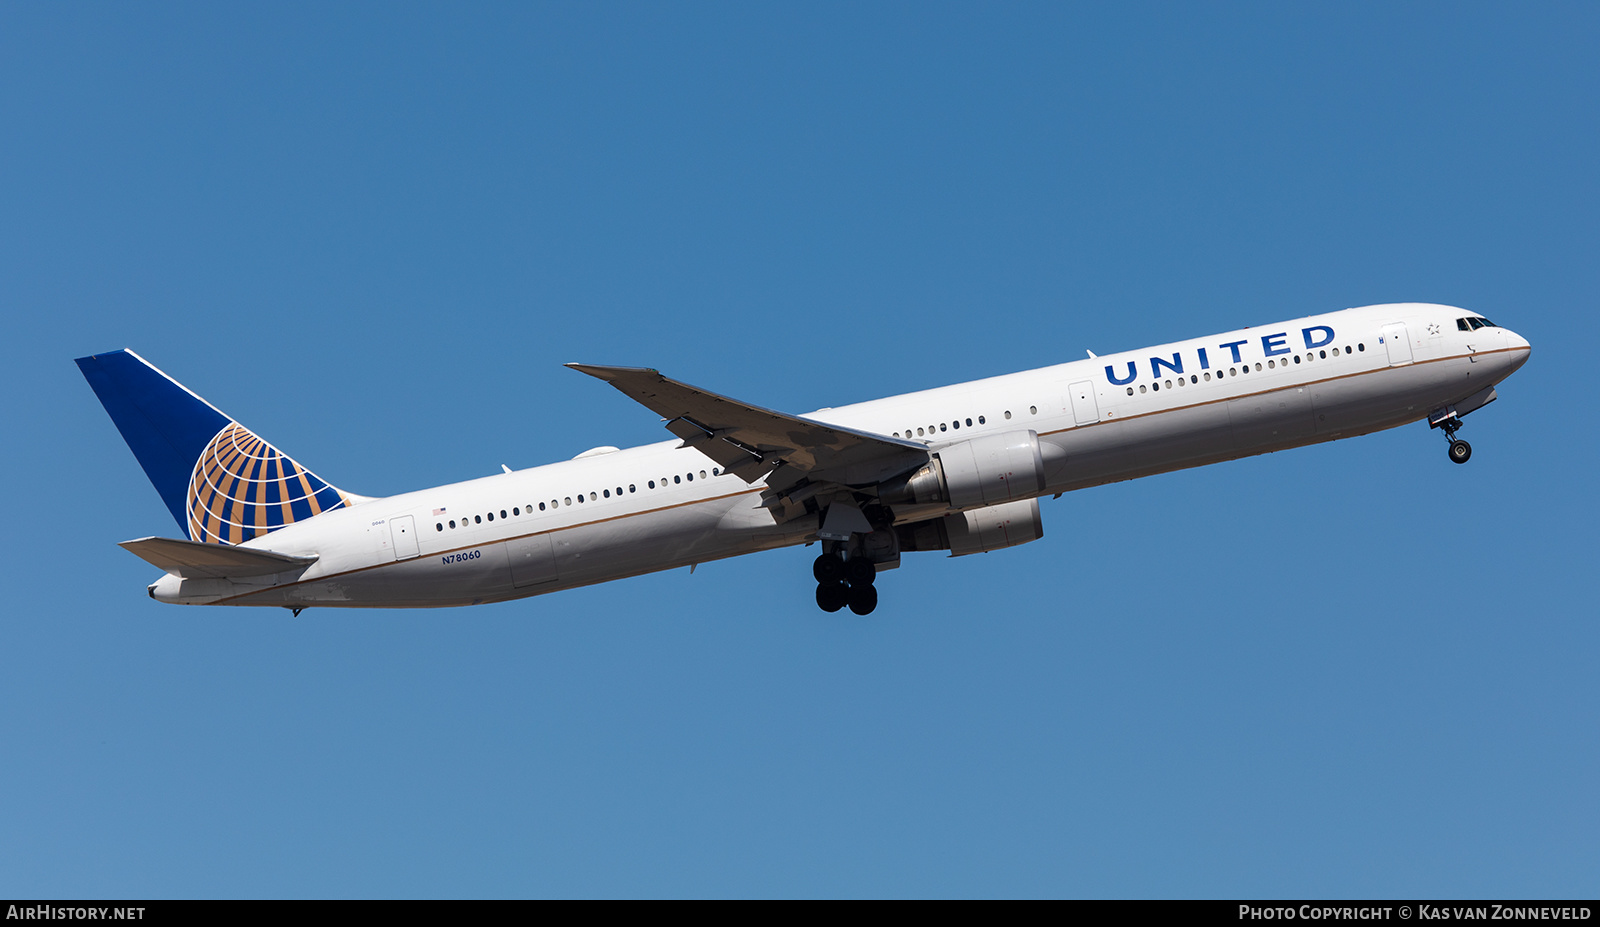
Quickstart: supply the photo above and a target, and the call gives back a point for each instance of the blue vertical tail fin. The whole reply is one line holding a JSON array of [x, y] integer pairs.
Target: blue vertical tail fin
[[223, 483]]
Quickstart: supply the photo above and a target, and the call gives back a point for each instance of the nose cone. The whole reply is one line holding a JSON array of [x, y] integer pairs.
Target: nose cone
[[1519, 347]]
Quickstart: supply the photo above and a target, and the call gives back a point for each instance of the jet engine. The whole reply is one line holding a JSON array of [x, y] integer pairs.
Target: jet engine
[[976, 532], [983, 471]]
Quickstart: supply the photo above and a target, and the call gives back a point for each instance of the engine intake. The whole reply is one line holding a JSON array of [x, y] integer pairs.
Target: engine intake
[[976, 532], [989, 470]]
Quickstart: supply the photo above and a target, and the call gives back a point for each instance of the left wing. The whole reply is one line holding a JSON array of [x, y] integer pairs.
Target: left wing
[[751, 442]]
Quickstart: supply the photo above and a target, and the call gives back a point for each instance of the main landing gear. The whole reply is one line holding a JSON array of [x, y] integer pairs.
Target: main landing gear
[[845, 582], [1460, 451]]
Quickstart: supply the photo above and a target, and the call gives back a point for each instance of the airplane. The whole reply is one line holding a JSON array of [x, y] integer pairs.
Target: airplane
[[958, 468]]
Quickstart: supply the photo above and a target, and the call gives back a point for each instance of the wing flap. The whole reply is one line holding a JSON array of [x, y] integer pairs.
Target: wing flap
[[193, 559]]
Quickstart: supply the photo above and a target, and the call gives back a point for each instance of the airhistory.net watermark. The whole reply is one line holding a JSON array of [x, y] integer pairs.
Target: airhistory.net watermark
[[50, 912]]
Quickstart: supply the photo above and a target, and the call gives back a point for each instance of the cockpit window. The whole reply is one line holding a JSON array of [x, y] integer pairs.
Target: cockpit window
[[1485, 323], [1473, 323], [1464, 325]]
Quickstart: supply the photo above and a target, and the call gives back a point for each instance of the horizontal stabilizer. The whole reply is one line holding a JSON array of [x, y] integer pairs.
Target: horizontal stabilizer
[[193, 559]]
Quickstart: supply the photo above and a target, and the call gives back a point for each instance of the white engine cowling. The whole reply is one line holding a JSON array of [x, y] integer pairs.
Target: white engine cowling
[[987, 471], [978, 531]]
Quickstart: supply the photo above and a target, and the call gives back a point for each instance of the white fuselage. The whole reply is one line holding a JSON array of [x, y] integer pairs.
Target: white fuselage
[[1099, 420]]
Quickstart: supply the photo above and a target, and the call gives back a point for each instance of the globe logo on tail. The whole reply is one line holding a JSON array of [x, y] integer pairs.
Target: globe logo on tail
[[242, 487]]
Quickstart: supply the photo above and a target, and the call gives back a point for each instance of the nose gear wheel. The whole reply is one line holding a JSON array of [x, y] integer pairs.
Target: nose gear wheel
[[1460, 451]]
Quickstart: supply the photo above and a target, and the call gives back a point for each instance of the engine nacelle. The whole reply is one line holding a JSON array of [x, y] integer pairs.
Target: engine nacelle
[[978, 531], [989, 470]]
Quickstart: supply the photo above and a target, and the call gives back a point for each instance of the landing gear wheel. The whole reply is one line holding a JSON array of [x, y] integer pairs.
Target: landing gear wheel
[[1460, 451], [828, 569], [860, 571], [863, 599], [832, 596]]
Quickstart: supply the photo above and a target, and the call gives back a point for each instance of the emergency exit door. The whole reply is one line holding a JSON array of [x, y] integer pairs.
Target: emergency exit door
[[1085, 411]]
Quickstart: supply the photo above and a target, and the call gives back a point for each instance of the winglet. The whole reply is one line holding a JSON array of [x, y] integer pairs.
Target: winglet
[[610, 374]]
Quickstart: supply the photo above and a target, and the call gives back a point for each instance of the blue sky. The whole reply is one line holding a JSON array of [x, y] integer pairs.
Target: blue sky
[[374, 232]]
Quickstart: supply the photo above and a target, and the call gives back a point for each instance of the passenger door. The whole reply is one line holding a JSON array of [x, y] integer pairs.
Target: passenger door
[[404, 532], [1394, 338]]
